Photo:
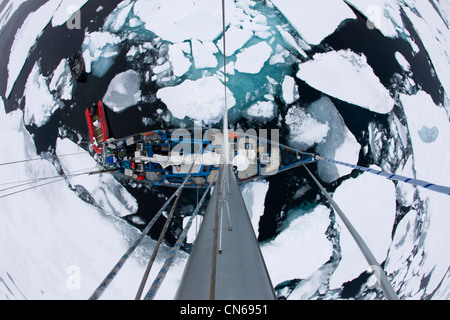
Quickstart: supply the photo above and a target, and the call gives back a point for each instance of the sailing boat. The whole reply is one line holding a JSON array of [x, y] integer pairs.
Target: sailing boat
[[226, 262]]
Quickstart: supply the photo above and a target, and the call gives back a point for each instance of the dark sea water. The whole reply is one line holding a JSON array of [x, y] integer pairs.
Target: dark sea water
[[58, 43]]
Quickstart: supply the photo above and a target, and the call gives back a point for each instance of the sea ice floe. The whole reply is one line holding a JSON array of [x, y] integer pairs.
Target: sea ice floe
[[339, 143], [99, 50], [304, 130], [66, 10], [434, 35], [62, 81], [253, 58], [52, 234], [262, 109], [314, 20], [178, 59], [301, 248], [368, 201], [25, 39], [117, 19], [203, 53], [236, 38], [124, 91], [39, 102], [254, 195], [201, 99], [8, 11], [179, 20], [107, 192], [347, 76], [429, 158], [290, 90], [382, 15]]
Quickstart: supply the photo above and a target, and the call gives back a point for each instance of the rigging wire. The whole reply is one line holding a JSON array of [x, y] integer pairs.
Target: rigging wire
[[40, 185], [162, 234], [171, 257], [396, 177], [35, 180], [41, 158], [382, 279], [115, 270]]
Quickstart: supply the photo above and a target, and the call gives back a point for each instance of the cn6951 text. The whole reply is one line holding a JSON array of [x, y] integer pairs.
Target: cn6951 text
[[245, 309]]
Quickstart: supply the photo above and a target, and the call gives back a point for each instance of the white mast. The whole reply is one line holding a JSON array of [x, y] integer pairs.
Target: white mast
[[225, 143]]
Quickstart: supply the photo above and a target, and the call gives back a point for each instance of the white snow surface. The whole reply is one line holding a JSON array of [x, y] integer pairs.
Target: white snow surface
[[429, 156], [203, 53], [314, 20], [26, 38], [368, 201], [235, 37], [262, 109], [62, 81], [124, 91], [178, 20], [304, 130], [10, 7], [290, 90], [108, 194], [347, 76], [180, 63], [99, 49], [254, 195], [39, 102], [54, 245], [339, 144], [252, 59], [189, 99], [301, 248], [65, 11], [382, 14]]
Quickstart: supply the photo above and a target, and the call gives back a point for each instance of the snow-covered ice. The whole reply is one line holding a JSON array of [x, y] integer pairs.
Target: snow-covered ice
[[290, 90], [262, 109], [203, 53], [189, 99], [252, 59], [339, 144], [236, 38], [179, 20], [368, 201], [39, 102], [25, 39], [107, 193], [301, 248], [65, 11], [254, 195], [124, 91], [304, 130], [116, 20], [62, 81], [314, 20], [430, 158], [402, 61], [382, 15], [347, 76], [177, 56], [58, 246], [99, 50], [435, 36]]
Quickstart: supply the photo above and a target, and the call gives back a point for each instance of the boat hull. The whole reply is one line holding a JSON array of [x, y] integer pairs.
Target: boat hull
[[98, 128], [165, 157]]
